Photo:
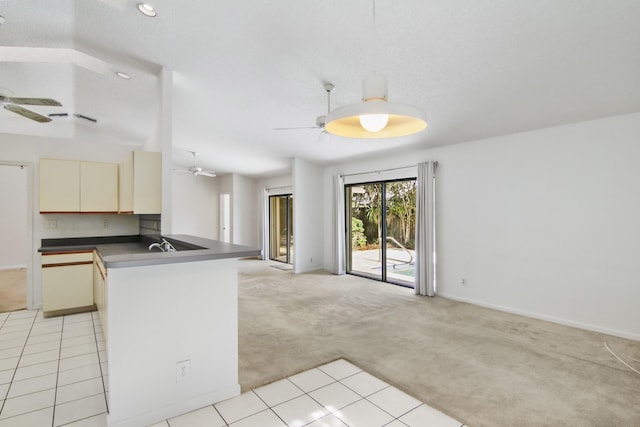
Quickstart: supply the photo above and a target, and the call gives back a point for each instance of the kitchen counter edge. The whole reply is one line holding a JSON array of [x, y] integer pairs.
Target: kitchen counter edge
[[211, 250]]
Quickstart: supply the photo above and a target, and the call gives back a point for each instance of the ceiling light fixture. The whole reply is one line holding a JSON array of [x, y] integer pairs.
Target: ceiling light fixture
[[123, 75], [375, 117], [147, 10]]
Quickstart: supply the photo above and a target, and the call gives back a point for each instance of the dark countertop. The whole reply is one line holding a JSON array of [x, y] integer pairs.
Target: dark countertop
[[133, 251]]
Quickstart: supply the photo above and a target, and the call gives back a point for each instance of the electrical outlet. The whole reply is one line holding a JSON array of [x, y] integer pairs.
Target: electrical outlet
[[105, 223], [52, 223], [311, 260], [183, 370], [463, 282]]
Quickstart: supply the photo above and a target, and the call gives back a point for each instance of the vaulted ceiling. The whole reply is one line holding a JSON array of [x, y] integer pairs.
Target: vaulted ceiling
[[478, 68]]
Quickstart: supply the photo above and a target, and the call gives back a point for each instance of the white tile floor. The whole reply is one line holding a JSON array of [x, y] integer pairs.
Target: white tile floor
[[53, 372]]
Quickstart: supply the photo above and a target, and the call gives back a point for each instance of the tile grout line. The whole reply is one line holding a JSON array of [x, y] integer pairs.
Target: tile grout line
[[60, 348], [366, 398], [55, 395], [81, 419], [378, 391], [19, 358], [243, 418], [95, 339], [226, 424], [269, 407]]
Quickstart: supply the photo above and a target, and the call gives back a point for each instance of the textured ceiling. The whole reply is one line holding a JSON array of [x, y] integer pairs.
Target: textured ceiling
[[478, 68]]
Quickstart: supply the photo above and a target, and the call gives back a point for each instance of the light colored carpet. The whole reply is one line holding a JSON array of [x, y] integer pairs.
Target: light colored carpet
[[480, 366], [284, 267], [13, 290]]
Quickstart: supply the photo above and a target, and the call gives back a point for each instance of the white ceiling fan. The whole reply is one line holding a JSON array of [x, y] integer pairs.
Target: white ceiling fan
[[196, 170], [13, 104], [320, 120]]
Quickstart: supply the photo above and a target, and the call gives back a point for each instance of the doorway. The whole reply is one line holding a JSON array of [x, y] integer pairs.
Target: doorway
[[380, 240], [225, 217], [281, 228], [14, 228]]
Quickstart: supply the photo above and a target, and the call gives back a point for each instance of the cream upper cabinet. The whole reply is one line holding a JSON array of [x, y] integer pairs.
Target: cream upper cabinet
[[98, 187], [59, 185], [141, 183], [75, 186]]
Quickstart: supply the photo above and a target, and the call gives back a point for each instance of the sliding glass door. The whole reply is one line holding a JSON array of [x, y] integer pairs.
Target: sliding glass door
[[381, 230], [281, 228]]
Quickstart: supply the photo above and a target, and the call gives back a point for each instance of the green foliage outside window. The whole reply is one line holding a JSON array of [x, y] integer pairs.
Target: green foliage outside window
[[358, 239]]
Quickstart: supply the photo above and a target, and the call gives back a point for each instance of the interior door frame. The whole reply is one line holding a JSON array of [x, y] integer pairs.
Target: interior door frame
[[30, 258], [225, 213], [383, 219], [288, 226]]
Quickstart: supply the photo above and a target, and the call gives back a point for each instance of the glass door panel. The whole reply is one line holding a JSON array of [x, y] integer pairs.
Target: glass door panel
[[290, 228], [364, 219], [400, 203], [280, 229]]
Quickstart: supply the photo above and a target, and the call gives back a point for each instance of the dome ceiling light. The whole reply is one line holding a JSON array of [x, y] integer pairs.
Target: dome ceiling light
[[147, 10], [375, 117]]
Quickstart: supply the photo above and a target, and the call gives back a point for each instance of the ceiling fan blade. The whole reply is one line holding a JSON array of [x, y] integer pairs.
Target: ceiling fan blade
[[210, 174], [36, 101], [27, 113]]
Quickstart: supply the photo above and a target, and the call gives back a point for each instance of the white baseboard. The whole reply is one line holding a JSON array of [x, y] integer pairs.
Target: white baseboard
[[307, 270], [589, 327], [176, 409], [12, 267]]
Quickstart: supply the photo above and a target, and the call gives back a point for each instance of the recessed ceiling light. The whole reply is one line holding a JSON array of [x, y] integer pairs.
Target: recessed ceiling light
[[147, 9], [123, 75]]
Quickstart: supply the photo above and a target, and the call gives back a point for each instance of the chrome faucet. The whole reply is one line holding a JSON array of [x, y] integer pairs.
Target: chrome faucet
[[167, 247], [164, 246], [156, 245]]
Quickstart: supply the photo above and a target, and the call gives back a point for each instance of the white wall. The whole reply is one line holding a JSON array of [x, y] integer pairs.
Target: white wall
[[13, 216], [308, 206], [541, 223], [275, 184], [196, 206], [244, 211]]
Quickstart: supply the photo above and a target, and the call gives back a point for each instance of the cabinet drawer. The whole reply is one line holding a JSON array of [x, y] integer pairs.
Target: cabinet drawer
[[67, 258]]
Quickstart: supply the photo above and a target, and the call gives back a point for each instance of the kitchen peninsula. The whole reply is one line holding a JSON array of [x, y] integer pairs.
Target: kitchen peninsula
[[170, 321]]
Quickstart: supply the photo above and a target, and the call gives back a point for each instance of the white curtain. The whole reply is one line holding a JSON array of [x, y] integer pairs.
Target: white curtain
[[425, 277], [339, 259], [265, 225]]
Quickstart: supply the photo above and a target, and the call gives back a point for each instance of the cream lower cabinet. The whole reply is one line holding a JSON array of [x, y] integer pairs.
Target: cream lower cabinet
[[100, 290], [67, 282]]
